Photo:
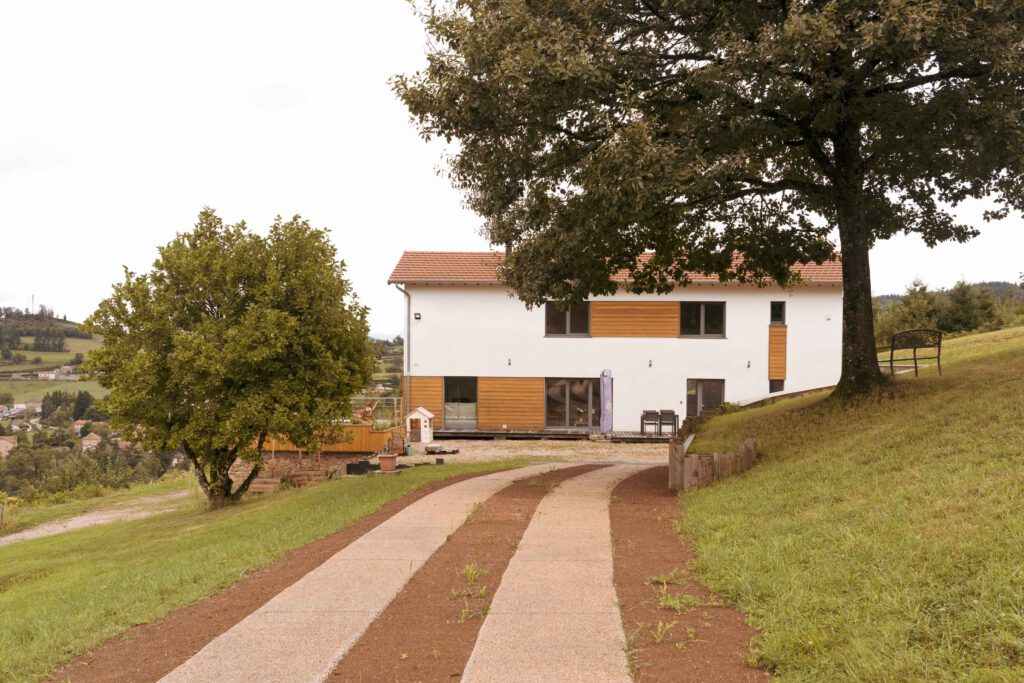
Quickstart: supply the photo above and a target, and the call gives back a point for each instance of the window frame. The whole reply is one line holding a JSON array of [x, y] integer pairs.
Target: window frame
[[782, 386], [703, 334], [568, 321], [593, 404], [771, 316]]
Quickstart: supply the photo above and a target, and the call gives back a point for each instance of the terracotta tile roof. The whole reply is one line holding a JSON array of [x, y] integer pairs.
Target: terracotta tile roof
[[480, 267]]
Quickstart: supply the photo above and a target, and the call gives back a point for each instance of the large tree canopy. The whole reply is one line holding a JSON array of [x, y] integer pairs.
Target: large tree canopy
[[231, 338], [592, 131]]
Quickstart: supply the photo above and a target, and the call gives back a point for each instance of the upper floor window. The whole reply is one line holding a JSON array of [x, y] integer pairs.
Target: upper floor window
[[702, 319], [778, 313], [571, 321]]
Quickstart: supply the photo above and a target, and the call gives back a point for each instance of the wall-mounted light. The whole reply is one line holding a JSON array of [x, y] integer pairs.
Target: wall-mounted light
[[650, 363], [510, 362], [416, 316], [748, 363]]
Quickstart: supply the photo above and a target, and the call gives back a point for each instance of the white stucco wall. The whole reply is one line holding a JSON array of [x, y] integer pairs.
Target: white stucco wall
[[480, 331]]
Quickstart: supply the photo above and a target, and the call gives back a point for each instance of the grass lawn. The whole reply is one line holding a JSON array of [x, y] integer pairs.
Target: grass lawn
[[27, 390], [883, 542], [52, 359], [62, 595], [19, 518]]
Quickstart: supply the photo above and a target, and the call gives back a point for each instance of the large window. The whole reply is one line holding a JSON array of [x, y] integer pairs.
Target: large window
[[703, 395], [460, 402], [778, 313], [571, 321], [572, 403], [702, 319]]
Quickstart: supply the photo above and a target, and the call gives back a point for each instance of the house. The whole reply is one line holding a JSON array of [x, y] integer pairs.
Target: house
[[91, 442], [481, 361], [34, 406], [7, 444], [78, 424], [49, 376]]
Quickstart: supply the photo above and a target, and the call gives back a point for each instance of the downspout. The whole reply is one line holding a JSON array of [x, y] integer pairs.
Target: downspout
[[407, 352]]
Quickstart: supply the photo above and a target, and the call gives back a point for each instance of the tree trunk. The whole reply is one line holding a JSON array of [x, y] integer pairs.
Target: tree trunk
[[860, 373]]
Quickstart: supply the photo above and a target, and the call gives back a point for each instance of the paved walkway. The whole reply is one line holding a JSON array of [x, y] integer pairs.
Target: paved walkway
[[555, 615], [118, 512], [301, 633]]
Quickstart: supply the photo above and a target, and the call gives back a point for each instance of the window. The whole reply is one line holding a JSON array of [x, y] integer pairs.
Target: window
[[776, 385], [704, 395], [778, 313], [460, 402], [571, 321], [702, 319], [572, 403]]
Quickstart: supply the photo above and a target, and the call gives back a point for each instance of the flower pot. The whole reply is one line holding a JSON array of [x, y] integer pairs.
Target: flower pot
[[387, 463]]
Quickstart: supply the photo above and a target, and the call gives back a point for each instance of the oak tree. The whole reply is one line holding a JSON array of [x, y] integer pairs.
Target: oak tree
[[592, 131], [231, 338]]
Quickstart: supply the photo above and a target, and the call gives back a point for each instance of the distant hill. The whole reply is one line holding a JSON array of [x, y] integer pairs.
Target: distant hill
[[999, 290]]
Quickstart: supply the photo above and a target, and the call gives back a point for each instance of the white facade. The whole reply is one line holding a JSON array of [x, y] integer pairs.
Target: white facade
[[482, 331]]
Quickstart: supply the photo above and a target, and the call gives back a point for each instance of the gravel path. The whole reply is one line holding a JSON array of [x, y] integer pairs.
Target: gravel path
[[476, 450], [302, 632], [555, 616], [135, 509]]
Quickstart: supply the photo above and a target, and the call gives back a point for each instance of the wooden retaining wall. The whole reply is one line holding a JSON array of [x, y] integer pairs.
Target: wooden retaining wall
[[693, 471]]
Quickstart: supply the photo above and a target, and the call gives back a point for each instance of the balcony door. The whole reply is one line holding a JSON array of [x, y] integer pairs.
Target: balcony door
[[572, 404]]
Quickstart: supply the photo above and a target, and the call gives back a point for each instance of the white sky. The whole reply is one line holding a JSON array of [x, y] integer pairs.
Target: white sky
[[120, 120]]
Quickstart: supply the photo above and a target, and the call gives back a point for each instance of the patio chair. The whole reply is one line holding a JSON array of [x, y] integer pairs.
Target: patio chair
[[668, 419], [650, 418]]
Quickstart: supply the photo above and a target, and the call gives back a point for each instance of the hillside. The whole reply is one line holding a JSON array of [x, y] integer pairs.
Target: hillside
[[881, 542]]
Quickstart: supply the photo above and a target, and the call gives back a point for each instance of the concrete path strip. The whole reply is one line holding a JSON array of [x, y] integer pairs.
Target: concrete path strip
[[555, 616], [301, 633]]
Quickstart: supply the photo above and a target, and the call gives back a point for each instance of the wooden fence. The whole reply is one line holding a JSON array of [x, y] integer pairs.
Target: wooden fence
[[687, 472], [364, 439]]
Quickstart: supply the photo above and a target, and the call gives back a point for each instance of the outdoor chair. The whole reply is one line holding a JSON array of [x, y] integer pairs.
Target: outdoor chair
[[668, 419], [650, 419]]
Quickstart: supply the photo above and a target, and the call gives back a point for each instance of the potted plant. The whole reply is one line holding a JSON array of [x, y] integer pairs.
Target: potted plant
[[387, 461]]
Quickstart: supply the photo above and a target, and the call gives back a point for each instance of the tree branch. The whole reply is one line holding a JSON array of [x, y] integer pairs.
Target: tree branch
[[962, 71], [257, 466], [204, 484]]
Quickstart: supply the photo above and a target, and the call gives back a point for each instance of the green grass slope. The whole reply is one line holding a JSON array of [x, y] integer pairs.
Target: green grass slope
[[883, 542], [62, 595]]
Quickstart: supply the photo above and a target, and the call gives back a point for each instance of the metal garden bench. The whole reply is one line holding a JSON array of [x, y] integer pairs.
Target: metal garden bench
[[915, 340]]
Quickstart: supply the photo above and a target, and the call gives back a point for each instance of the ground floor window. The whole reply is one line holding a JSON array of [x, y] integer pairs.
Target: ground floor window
[[460, 402], [703, 395], [776, 385], [572, 403]]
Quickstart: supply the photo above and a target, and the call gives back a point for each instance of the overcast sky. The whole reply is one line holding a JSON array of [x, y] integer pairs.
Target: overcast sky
[[120, 120]]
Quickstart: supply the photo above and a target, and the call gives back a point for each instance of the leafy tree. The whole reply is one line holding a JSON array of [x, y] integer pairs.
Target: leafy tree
[[917, 309], [231, 338], [593, 131], [6, 398]]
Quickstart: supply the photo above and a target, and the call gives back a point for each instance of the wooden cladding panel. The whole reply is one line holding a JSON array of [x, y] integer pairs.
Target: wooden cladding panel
[[427, 392], [510, 403], [777, 352], [364, 439], [634, 319]]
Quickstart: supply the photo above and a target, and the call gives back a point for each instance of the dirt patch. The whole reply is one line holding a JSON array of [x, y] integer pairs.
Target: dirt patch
[[150, 651], [675, 628], [428, 632]]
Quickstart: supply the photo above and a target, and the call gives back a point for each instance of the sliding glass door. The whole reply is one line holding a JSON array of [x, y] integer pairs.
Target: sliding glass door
[[572, 404]]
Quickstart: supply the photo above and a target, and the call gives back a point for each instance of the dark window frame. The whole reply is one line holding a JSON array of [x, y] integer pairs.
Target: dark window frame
[[568, 320], [702, 334], [772, 386], [771, 313], [593, 404]]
